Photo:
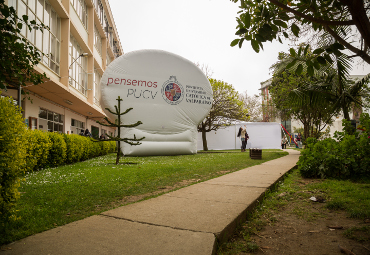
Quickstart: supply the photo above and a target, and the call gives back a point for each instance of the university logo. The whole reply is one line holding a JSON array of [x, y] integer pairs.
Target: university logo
[[172, 91]]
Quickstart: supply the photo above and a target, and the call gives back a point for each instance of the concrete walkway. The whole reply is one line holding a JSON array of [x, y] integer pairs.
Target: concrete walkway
[[185, 221]]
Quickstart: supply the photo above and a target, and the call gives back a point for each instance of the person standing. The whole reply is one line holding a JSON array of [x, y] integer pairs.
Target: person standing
[[299, 140], [243, 138], [284, 141]]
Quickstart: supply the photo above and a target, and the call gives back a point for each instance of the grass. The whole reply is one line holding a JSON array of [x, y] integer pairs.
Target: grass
[[57, 196], [351, 197]]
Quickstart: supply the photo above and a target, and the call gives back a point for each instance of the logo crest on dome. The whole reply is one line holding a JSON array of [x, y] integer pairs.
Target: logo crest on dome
[[172, 91]]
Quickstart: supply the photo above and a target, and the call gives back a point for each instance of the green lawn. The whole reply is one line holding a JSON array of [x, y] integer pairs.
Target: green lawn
[[57, 196]]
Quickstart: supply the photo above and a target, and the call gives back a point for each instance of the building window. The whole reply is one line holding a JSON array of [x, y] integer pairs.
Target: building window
[[77, 70], [47, 42], [51, 121], [97, 79], [100, 10], [97, 40], [81, 10], [77, 126]]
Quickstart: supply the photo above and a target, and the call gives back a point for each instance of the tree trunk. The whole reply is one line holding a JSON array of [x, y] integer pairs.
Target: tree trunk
[[204, 139]]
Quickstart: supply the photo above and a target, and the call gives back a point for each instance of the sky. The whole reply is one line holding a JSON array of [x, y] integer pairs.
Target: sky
[[200, 31]]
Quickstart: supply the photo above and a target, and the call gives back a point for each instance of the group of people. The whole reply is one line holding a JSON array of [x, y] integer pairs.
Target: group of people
[[87, 133], [297, 139], [242, 133]]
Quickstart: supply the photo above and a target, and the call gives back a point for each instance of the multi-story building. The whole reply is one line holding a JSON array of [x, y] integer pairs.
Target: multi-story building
[[81, 43]]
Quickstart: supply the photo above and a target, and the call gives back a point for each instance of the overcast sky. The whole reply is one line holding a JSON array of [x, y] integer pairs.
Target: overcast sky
[[200, 31]]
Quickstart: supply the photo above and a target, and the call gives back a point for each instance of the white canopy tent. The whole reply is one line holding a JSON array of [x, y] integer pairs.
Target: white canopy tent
[[262, 135]]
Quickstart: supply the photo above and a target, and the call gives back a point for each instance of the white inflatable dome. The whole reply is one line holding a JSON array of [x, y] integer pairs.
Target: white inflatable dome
[[168, 93]]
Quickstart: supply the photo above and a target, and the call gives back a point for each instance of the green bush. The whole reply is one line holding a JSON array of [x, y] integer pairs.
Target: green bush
[[346, 156], [58, 151], [12, 157], [38, 146]]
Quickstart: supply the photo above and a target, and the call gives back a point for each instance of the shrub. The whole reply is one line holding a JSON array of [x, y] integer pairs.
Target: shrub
[[58, 150], [345, 157], [38, 146], [12, 157]]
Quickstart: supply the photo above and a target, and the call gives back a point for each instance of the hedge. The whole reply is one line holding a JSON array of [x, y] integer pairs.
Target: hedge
[[12, 157], [344, 157]]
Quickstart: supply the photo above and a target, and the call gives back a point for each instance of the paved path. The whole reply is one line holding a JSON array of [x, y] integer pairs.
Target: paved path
[[185, 221]]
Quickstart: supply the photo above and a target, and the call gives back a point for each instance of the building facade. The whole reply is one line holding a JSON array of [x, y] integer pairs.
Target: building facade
[[81, 42]]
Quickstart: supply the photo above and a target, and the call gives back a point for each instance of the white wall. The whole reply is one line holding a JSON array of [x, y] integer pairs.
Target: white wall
[[262, 135]]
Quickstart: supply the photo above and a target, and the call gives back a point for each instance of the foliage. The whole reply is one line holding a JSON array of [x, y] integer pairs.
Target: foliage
[[38, 146], [12, 158], [58, 150], [343, 158], [60, 195], [330, 84], [314, 115], [226, 108], [343, 24], [253, 105], [119, 125], [24, 56]]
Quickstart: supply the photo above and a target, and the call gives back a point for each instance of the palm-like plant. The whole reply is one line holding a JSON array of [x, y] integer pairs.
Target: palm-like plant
[[334, 86]]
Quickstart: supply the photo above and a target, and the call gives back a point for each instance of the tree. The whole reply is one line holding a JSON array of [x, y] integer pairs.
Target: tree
[[346, 22], [314, 116], [226, 108], [333, 85], [253, 105], [119, 125], [17, 55]]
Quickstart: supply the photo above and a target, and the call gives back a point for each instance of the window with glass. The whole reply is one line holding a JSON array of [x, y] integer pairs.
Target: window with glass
[[77, 125], [51, 121], [97, 40], [47, 42], [81, 10], [77, 71]]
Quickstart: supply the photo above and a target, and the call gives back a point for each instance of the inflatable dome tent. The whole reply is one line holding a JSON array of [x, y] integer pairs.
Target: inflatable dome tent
[[169, 94]]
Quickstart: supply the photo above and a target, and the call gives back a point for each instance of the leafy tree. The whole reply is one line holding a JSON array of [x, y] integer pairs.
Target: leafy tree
[[314, 116], [344, 22], [17, 55], [253, 105], [334, 84], [119, 125], [226, 108]]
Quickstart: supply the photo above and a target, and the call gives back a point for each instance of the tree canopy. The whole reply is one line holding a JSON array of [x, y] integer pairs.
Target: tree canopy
[[17, 55], [226, 108], [345, 22], [253, 105]]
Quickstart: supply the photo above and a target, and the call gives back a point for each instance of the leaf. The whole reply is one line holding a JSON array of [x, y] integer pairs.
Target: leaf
[[241, 42], [260, 38], [280, 23], [291, 64], [318, 51], [234, 42], [247, 20], [321, 60], [306, 49], [285, 34], [299, 69], [279, 39], [255, 46], [292, 52], [310, 70], [295, 29], [241, 31]]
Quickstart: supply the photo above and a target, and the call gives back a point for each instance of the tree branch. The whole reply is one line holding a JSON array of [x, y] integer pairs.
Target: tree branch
[[312, 19]]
